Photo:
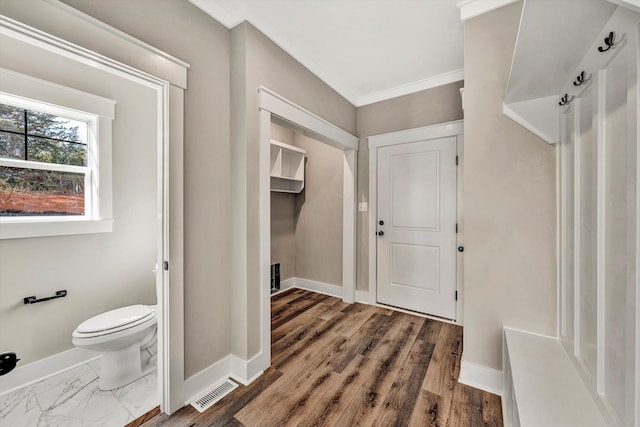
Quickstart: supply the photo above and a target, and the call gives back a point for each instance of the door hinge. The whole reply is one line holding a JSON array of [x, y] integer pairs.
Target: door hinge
[[456, 295], [456, 228], [456, 160], [165, 265]]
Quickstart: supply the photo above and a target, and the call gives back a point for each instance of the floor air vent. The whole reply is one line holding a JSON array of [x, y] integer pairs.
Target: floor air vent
[[211, 397]]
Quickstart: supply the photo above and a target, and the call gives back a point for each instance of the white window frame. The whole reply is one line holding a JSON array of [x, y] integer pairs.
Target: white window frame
[[39, 95]]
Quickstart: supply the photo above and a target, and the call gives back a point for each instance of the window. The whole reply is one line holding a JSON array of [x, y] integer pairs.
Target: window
[[55, 159], [43, 163]]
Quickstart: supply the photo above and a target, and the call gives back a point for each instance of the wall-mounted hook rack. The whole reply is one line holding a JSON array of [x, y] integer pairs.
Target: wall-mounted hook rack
[[581, 79], [33, 299], [566, 99], [609, 41]]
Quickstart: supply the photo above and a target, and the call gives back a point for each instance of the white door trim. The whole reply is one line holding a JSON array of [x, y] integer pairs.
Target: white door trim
[[442, 130], [270, 104], [320, 128], [169, 110]]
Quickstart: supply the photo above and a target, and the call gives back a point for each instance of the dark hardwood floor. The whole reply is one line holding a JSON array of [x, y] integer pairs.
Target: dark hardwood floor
[[335, 364]]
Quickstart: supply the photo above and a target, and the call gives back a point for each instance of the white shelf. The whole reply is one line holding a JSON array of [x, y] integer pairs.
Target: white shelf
[[570, 31], [287, 167], [542, 386]]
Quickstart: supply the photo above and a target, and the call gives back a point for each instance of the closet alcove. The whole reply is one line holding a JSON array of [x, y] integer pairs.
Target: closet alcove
[[306, 210]]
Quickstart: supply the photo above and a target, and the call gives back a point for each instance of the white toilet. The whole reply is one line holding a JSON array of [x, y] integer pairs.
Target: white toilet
[[122, 335]]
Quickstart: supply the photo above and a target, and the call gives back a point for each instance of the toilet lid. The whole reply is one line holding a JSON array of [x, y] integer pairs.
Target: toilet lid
[[116, 318]]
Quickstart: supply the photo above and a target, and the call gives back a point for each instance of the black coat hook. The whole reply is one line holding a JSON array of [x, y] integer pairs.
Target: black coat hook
[[609, 41], [565, 100], [581, 79]]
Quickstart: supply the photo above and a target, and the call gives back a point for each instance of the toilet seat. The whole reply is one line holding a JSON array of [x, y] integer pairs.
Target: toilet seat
[[116, 320]]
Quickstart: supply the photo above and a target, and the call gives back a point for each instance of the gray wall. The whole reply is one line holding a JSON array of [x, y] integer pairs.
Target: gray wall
[[283, 233], [184, 31], [431, 106], [509, 201], [256, 61], [318, 239], [100, 271]]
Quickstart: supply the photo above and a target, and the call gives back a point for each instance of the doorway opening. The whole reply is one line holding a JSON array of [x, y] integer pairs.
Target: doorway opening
[[161, 95], [275, 109], [306, 212]]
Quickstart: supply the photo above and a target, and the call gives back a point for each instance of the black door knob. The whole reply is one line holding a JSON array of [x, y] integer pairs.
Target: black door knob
[[380, 233], [381, 222], [460, 248]]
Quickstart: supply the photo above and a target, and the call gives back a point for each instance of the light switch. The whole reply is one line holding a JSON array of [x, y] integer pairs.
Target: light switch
[[363, 207]]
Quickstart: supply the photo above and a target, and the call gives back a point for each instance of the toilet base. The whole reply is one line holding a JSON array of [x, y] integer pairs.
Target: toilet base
[[120, 367]]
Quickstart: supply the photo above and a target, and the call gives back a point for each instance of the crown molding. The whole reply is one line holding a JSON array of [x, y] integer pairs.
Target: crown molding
[[428, 83], [233, 13], [472, 8]]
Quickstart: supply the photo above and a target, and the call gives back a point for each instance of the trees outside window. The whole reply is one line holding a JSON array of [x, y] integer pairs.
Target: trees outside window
[[43, 163]]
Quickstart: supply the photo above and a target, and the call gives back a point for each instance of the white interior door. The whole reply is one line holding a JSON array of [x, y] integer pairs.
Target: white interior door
[[416, 226]]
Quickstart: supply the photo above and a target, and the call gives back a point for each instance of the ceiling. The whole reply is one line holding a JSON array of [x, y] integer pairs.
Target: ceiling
[[366, 50]]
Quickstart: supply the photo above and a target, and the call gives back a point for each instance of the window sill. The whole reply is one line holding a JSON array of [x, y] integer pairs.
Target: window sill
[[53, 227]]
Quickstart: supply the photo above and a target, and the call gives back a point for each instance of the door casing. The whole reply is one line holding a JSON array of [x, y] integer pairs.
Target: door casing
[[168, 79], [441, 130]]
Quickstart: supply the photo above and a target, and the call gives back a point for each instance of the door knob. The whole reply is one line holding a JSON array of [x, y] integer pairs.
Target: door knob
[[460, 248], [380, 233], [381, 222]]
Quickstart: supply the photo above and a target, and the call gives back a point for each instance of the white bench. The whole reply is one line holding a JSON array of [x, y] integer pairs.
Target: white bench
[[542, 386]]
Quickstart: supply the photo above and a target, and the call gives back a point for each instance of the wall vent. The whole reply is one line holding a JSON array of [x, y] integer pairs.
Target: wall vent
[[219, 391]]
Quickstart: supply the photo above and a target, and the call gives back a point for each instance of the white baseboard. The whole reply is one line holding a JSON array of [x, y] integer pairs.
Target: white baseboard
[[231, 366], [257, 365], [246, 371], [319, 287], [482, 377], [288, 284], [45, 368], [196, 384], [363, 297]]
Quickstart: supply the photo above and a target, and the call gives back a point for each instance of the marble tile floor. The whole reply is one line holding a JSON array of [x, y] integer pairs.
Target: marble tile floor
[[72, 399]]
